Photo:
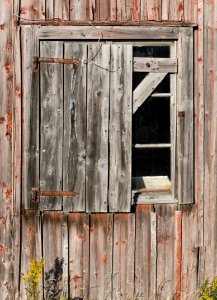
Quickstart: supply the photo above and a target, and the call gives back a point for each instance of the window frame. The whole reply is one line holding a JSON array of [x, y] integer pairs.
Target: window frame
[[180, 36]]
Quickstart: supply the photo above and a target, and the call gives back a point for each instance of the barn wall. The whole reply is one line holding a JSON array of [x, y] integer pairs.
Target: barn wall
[[199, 243]]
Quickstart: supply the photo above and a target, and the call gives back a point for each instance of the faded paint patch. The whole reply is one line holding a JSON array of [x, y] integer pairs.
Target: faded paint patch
[[3, 249]]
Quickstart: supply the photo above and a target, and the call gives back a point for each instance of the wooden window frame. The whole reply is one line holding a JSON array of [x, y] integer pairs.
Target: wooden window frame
[[183, 84]]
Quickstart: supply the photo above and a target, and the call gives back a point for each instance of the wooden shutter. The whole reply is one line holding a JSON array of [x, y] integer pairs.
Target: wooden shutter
[[185, 117]]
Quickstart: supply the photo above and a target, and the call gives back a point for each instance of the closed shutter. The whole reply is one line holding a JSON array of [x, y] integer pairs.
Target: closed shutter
[[82, 125]]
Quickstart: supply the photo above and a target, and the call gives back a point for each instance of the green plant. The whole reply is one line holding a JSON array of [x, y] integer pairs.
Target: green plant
[[208, 290], [31, 279]]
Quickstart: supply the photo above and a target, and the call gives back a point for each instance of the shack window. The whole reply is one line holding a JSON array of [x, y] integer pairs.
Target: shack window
[[108, 117], [152, 132]]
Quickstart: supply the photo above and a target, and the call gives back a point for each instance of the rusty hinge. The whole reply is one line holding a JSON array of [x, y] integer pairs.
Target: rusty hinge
[[36, 193], [66, 61]]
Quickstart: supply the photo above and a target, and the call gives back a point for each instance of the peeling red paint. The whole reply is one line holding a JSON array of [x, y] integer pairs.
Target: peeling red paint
[[3, 249], [18, 92], [2, 120], [34, 10], [181, 7], [92, 229], [23, 10], [8, 194], [9, 124], [163, 238], [7, 67], [75, 278], [124, 242], [136, 277], [105, 258], [3, 220]]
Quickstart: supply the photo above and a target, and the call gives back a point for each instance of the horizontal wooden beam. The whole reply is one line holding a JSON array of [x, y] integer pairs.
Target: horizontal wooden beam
[[58, 22], [155, 65], [101, 33]]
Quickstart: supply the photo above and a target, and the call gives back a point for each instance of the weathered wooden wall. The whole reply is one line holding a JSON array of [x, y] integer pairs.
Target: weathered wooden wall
[[199, 242]]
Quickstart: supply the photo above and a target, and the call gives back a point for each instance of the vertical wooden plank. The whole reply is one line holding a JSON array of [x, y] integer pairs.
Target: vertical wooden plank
[[97, 127], [153, 271], [154, 10], [104, 10], [6, 200], [165, 7], [101, 256], [17, 156], [120, 128], [78, 225], [30, 133], [32, 10], [123, 256], [178, 252], [144, 13], [136, 10], [145, 252], [55, 252], [79, 10], [75, 131], [166, 260], [31, 246], [190, 249], [51, 127], [49, 10], [177, 10], [124, 10], [210, 142], [199, 119], [113, 10], [185, 123]]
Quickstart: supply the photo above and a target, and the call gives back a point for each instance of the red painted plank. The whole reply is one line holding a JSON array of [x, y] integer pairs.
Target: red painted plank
[[143, 251], [154, 10], [136, 10], [78, 227], [101, 226], [55, 251], [123, 256], [31, 245], [166, 259], [178, 251]]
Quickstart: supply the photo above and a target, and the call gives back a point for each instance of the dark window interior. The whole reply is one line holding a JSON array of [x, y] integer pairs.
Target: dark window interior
[[151, 122]]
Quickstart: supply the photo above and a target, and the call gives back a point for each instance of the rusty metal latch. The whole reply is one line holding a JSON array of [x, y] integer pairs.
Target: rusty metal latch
[[36, 193], [66, 61]]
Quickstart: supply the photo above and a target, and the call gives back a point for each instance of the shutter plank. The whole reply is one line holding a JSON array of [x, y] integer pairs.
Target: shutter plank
[[30, 88], [74, 146], [120, 134], [97, 128], [145, 88], [79, 255], [51, 127], [185, 121], [101, 256]]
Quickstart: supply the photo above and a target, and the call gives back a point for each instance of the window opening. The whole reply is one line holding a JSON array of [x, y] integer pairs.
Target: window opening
[[151, 132]]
